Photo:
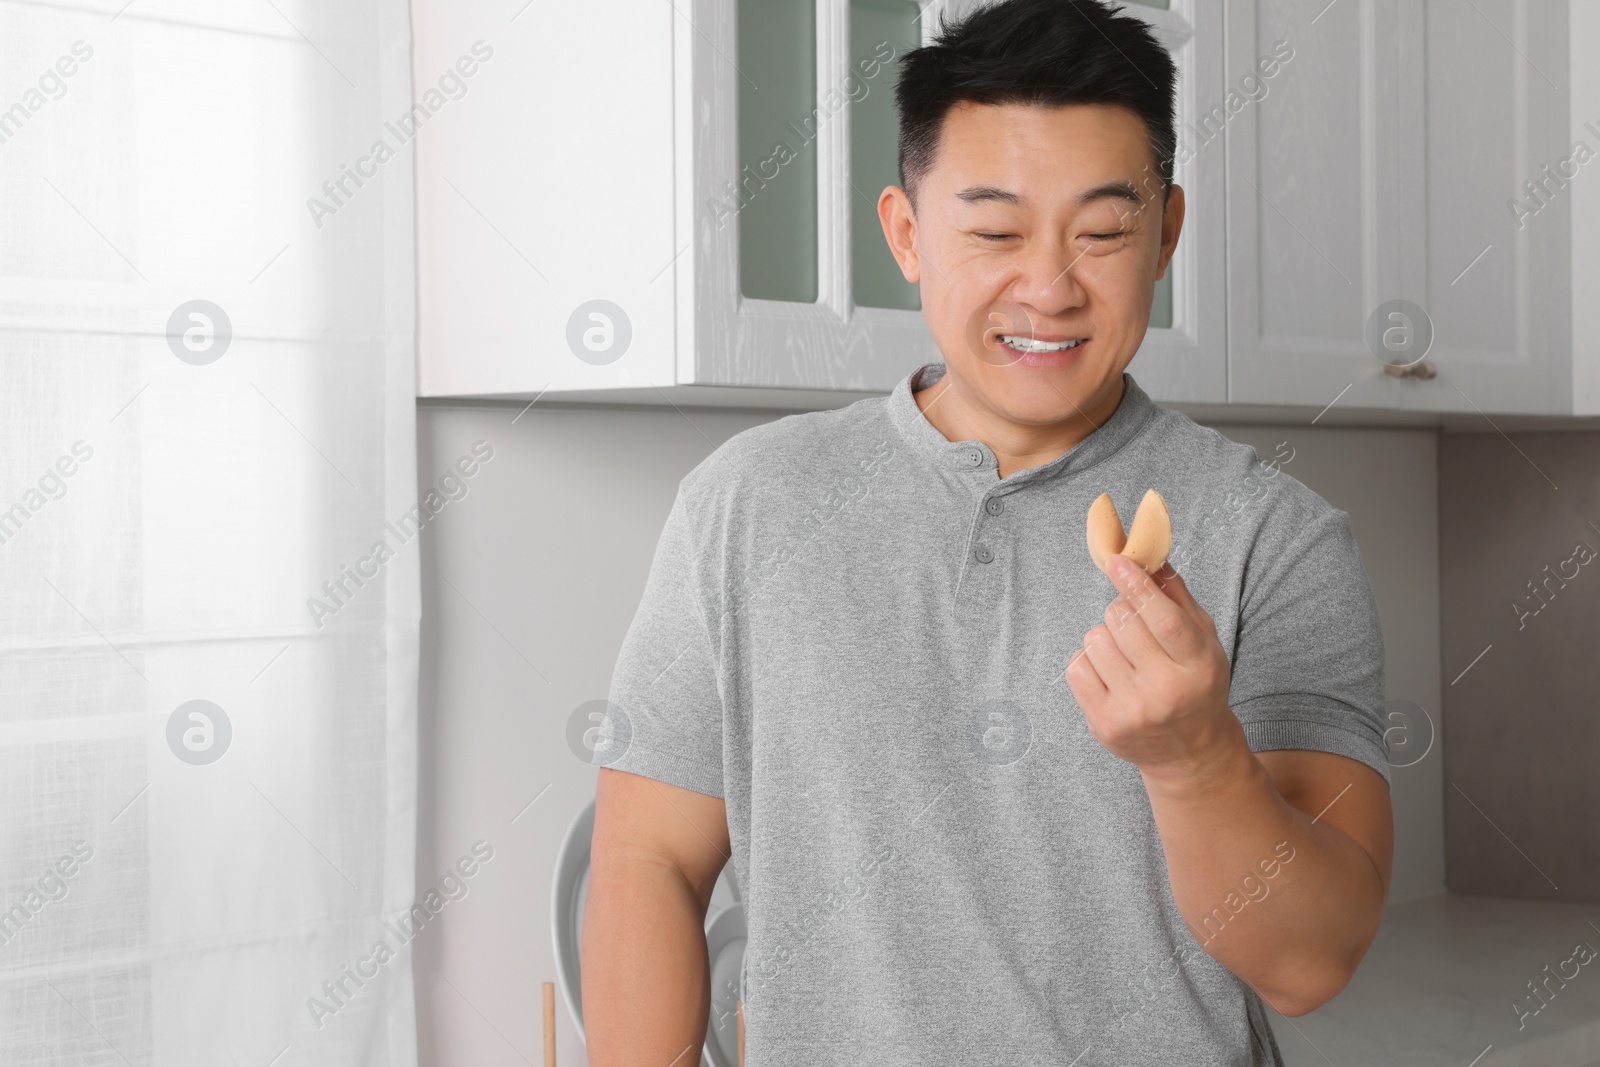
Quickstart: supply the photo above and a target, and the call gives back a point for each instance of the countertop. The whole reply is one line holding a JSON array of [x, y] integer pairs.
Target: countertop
[[1439, 984]]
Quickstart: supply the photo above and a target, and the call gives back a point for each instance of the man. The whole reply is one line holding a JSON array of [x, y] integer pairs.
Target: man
[[987, 804]]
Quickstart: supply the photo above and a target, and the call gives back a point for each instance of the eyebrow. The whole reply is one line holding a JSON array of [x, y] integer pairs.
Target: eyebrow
[[1112, 190]]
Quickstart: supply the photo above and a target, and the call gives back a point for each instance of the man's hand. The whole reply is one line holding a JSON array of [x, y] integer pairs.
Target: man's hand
[[1153, 683], [1153, 678]]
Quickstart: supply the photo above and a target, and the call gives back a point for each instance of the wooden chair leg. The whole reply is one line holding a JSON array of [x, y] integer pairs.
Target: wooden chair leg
[[549, 1024]]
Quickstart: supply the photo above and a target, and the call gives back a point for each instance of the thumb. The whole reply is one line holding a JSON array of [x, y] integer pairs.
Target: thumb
[[1170, 582]]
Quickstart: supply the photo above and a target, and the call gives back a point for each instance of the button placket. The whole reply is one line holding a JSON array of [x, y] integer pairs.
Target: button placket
[[992, 507], [983, 587]]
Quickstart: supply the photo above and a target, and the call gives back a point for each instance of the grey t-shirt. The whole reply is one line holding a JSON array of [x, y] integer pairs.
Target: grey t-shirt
[[855, 632]]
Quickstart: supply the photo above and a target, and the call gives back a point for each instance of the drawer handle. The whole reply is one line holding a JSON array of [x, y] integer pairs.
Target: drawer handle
[[1423, 369]]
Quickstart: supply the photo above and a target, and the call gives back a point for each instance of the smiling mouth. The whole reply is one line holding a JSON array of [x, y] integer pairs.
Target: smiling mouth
[[1030, 344]]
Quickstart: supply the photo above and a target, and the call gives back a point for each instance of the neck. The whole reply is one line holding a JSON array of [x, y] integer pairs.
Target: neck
[[961, 413]]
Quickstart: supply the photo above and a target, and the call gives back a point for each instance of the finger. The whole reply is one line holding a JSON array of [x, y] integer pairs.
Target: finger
[[1109, 663], [1171, 582], [1175, 628], [1127, 628], [1085, 682]]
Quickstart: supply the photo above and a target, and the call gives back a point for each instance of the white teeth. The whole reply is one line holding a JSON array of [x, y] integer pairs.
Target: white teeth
[[1028, 344]]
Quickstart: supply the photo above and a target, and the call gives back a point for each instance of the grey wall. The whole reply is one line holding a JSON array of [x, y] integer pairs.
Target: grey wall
[[1523, 793], [529, 583], [1387, 481], [531, 578]]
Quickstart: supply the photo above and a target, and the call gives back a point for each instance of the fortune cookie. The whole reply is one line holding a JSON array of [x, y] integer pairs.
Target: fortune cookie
[[1147, 542]]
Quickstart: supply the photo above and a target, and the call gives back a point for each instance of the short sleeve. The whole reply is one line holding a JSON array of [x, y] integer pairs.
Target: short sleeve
[[666, 714], [1308, 661]]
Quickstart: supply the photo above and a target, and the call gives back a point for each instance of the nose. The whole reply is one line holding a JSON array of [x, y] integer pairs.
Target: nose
[[1048, 281]]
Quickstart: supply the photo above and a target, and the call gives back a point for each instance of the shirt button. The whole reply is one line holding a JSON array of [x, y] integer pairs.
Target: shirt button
[[975, 458], [982, 554], [995, 506]]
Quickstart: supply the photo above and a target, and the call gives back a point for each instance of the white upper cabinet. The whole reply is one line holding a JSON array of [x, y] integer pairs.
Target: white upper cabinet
[[546, 235], [777, 209], [1582, 295], [1371, 208], [1498, 255], [677, 202], [695, 217], [1325, 202], [1184, 356], [793, 285]]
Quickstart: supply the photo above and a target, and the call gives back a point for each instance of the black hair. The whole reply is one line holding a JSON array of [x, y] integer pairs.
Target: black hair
[[1044, 52]]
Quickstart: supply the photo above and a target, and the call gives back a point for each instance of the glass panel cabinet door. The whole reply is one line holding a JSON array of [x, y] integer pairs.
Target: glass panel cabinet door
[[881, 31], [1161, 305], [791, 147], [1184, 357], [776, 191], [782, 240]]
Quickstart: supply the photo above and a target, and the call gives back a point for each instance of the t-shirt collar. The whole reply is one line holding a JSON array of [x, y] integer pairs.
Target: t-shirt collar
[[1133, 413]]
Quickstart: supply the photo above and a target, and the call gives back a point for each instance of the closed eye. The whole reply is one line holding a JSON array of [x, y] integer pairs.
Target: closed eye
[[1105, 236], [995, 236]]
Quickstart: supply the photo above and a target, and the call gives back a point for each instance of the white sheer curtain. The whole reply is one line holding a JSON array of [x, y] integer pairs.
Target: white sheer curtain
[[181, 884]]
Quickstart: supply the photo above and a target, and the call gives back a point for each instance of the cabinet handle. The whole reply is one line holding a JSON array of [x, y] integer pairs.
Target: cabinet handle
[[1423, 369]]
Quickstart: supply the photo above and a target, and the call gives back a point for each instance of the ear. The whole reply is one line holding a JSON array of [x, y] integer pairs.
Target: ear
[[900, 230], [1171, 225]]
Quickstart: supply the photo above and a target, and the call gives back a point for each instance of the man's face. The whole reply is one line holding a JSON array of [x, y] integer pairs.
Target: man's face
[[1036, 226]]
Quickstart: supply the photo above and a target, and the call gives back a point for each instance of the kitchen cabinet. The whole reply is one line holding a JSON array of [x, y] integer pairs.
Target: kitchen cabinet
[[767, 290], [1386, 166], [1496, 270], [1579, 296], [547, 239], [694, 219], [1325, 205], [1184, 355]]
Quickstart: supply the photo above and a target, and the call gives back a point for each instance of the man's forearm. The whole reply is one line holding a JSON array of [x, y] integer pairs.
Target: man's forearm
[[646, 984], [1293, 928]]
